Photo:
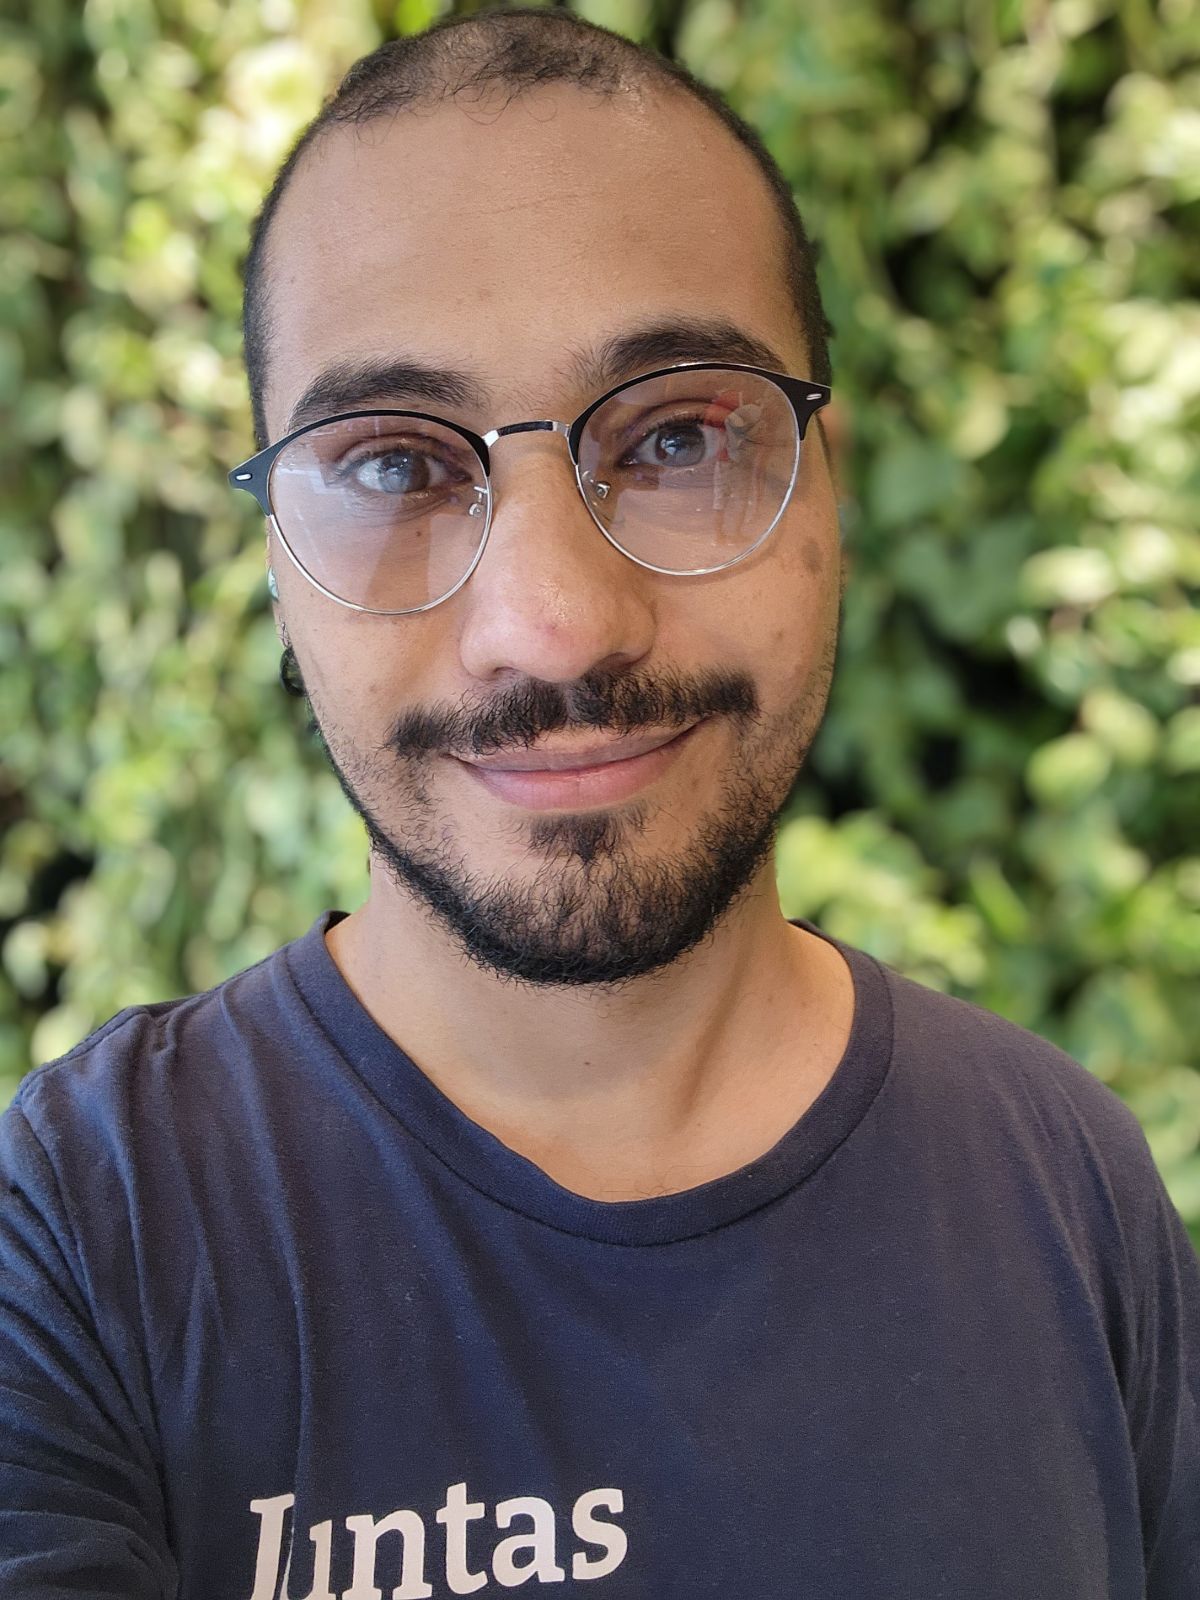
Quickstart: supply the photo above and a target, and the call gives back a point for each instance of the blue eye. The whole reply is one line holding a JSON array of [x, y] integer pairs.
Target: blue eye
[[398, 471], [678, 442]]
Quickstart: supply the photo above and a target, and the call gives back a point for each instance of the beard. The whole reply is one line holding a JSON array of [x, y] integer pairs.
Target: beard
[[597, 909]]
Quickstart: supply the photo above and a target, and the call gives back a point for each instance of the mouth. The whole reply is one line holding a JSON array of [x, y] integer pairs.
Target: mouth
[[579, 759], [608, 777]]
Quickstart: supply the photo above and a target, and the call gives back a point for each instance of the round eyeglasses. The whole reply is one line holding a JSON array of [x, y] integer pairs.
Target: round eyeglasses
[[685, 470]]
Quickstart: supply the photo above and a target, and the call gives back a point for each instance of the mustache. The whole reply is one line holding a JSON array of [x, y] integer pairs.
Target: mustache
[[612, 707], [620, 707]]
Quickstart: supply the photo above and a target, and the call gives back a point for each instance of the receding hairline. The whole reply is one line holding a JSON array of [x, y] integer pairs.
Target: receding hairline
[[357, 129], [512, 52]]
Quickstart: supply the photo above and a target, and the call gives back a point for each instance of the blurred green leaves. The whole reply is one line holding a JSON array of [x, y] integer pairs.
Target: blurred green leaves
[[1004, 800]]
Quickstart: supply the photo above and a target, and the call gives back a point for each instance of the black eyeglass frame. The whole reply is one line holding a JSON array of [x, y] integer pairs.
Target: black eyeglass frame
[[805, 395]]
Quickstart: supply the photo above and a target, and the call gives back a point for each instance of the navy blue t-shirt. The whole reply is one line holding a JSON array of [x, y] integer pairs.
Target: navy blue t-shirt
[[277, 1319]]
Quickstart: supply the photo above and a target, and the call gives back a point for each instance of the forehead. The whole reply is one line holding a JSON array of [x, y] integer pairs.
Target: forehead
[[494, 236]]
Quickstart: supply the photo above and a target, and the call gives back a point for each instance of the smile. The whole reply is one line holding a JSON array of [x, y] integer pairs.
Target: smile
[[577, 788]]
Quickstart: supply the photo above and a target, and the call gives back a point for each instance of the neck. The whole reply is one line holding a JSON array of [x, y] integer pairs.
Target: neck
[[667, 1085]]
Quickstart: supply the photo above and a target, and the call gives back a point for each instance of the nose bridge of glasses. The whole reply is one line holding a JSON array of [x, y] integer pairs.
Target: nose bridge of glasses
[[542, 425], [586, 483]]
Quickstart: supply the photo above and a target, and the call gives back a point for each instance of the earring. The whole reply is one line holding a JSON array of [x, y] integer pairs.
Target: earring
[[289, 674], [272, 584]]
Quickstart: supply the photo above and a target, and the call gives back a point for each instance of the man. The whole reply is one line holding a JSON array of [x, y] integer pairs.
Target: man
[[565, 1215]]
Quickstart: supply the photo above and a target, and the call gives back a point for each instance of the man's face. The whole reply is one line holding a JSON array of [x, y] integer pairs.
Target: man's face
[[504, 241]]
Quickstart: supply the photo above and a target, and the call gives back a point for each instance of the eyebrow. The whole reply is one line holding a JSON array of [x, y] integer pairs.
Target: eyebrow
[[352, 385], [662, 344]]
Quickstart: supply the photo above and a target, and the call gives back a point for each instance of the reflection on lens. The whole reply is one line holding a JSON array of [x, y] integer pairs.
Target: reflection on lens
[[386, 512], [690, 470]]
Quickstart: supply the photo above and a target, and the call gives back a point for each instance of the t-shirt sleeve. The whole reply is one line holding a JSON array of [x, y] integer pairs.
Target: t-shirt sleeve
[[1164, 1408], [81, 1508]]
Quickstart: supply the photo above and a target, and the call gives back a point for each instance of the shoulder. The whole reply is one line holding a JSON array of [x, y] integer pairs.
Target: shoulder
[[150, 1069], [1019, 1100], [970, 1047]]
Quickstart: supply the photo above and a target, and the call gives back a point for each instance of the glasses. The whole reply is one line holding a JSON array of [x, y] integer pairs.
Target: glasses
[[685, 470]]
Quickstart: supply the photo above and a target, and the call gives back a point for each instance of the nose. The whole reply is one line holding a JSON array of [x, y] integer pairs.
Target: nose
[[551, 598]]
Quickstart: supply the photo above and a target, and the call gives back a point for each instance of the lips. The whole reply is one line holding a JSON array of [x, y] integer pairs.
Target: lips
[[603, 783], [574, 760]]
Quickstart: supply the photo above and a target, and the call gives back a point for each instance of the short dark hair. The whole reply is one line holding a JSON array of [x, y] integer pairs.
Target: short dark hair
[[516, 49]]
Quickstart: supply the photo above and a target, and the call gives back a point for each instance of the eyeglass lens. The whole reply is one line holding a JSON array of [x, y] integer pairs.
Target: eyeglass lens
[[685, 472]]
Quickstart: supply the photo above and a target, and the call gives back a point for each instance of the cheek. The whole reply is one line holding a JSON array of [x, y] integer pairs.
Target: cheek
[[347, 669], [792, 594], [798, 614], [812, 556]]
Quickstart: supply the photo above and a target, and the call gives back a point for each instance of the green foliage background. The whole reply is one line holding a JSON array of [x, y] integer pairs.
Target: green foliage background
[[1004, 801]]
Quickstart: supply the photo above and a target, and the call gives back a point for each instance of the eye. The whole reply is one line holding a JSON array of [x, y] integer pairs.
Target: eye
[[403, 469], [685, 441]]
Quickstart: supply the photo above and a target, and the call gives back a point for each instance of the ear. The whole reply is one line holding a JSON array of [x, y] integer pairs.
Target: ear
[[835, 422], [273, 587], [835, 425]]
